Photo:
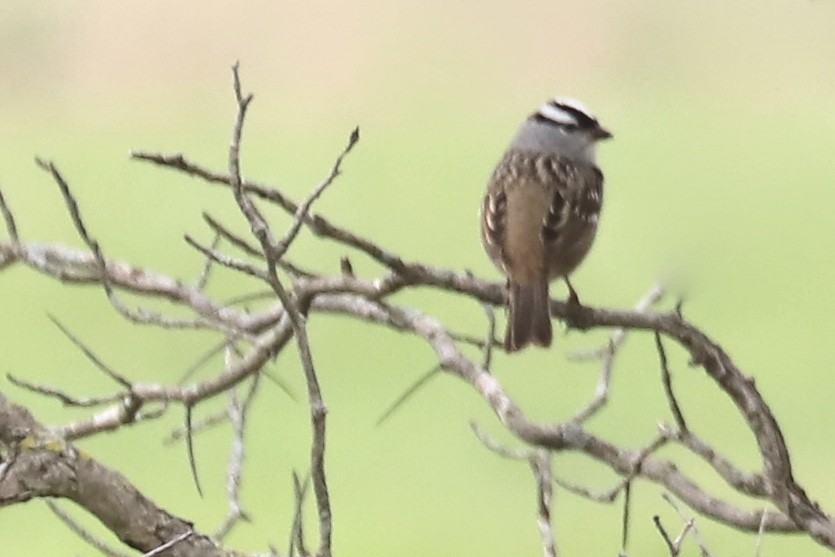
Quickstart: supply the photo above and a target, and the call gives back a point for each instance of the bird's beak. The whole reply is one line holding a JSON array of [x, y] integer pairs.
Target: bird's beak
[[600, 133]]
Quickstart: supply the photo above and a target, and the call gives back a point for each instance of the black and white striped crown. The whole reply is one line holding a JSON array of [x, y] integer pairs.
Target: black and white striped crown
[[566, 112]]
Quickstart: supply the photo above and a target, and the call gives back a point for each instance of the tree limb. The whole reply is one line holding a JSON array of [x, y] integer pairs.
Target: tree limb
[[46, 466]]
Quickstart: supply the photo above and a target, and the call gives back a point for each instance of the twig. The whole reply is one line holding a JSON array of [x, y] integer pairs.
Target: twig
[[498, 448], [318, 411], [624, 527], [70, 265], [262, 349], [199, 426], [251, 297], [407, 394], [260, 228], [668, 387], [689, 520], [317, 223], [301, 213], [607, 496], [601, 391], [233, 238], [201, 361], [65, 398], [297, 531], [169, 544], [212, 254], [109, 371], [317, 450], [192, 461], [281, 384], [540, 462], [541, 466], [82, 532], [8, 217], [203, 279], [608, 353], [237, 417], [238, 412], [633, 470], [620, 334], [141, 316], [753, 484], [673, 545]]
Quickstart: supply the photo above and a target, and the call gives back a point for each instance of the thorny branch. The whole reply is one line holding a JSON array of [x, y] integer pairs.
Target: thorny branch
[[27, 448]]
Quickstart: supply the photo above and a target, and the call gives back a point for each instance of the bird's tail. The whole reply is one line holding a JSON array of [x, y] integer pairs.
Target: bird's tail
[[530, 316]]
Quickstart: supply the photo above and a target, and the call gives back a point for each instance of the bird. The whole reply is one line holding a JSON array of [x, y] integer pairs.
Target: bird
[[540, 213]]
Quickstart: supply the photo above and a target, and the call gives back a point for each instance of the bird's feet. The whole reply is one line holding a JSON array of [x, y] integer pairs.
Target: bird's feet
[[575, 312], [573, 299]]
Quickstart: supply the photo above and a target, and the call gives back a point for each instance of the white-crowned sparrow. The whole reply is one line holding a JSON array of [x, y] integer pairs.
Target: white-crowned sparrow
[[539, 217]]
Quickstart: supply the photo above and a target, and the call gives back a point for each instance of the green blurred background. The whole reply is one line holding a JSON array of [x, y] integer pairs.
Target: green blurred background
[[720, 180]]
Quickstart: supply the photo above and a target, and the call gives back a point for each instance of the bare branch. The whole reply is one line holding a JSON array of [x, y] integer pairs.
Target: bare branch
[[607, 355], [260, 352], [696, 534], [8, 217], [261, 230], [69, 200], [256, 337], [234, 239], [227, 261], [304, 209], [540, 462], [750, 484], [237, 412], [498, 448], [203, 279], [66, 399], [541, 466], [571, 435], [619, 335], [668, 386], [607, 496], [673, 545], [317, 223], [297, 532], [48, 467], [74, 266]]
